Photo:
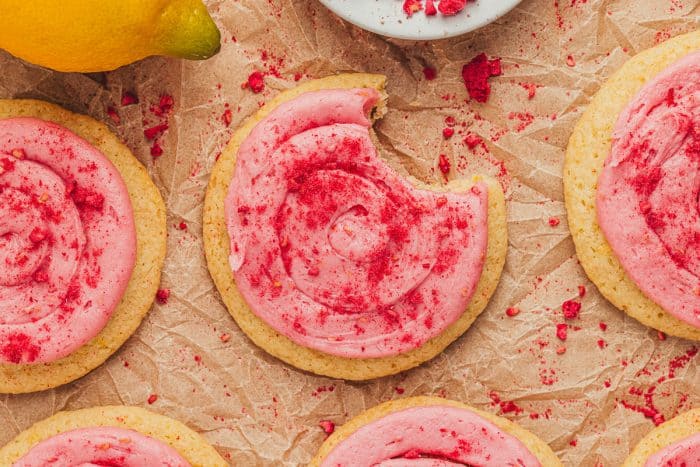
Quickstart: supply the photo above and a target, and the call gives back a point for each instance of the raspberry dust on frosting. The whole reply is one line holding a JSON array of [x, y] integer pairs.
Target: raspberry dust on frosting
[[332, 248], [101, 446], [647, 199], [685, 452], [430, 436], [67, 241]]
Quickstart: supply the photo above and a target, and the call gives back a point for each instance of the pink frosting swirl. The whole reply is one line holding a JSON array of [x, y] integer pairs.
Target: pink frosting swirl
[[684, 453], [430, 436], [647, 199], [101, 446], [336, 251], [67, 241]]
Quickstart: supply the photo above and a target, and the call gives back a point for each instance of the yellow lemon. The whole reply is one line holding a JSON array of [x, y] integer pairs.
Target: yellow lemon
[[101, 35]]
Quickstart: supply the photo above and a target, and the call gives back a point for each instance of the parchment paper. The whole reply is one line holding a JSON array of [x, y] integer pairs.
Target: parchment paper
[[258, 411]]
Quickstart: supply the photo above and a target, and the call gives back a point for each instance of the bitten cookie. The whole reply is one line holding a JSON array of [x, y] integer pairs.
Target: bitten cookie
[[82, 245], [631, 187], [107, 436], [329, 260], [432, 429], [674, 443]]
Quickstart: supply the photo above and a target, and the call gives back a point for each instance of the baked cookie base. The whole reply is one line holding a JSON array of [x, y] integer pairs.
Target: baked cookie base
[[588, 148], [216, 245], [674, 430], [535, 445], [150, 222], [186, 442]]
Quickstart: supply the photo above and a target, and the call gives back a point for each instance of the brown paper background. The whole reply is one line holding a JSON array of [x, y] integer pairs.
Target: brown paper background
[[258, 411]]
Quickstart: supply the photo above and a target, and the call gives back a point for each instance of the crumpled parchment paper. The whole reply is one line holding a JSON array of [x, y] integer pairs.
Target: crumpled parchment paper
[[258, 411]]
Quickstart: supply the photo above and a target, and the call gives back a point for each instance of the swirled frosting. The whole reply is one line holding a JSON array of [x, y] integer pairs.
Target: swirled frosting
[[101, 446], [67, 241], [336, 251], [684, 453], [647, 199], [437, 435]]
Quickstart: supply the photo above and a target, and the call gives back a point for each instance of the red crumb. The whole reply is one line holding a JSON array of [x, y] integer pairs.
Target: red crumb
[[554, 221], [430, 9], [561, 350], [448, 132], [152, 398], [19, 347], [561, 331], [451, 7], [152, 132], [603, 326], [182, 225], [399, 390], [198, 358], [227, 117], [225, 337], [156, 150], [162, 296], [430, 73], [570, 60], [570, 309], [661, 335], [129, 99], [581, 291], [476, 74], [327, 426], [412, 6], [444, 165], [256, 82], [601, 343], [112, 113], [512, 311]]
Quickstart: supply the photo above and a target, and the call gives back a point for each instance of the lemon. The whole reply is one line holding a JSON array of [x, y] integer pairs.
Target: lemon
[[101, 35]]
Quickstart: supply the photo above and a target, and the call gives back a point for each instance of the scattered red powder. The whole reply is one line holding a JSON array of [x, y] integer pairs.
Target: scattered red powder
[[154, 131], [506, 406], [327, 426], [570, 309], [152, 398], [554, 221], [256, 82], [476, 74], [512, 311], [162, 296]]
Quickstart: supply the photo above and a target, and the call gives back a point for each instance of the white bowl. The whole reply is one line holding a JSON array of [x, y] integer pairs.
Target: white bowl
[[386, 17]]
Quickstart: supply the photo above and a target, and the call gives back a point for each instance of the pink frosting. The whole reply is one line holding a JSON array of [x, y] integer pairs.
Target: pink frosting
[[67, 241], [101, 446], [647, 198], [684, 453], [437, 435], [336, 251]]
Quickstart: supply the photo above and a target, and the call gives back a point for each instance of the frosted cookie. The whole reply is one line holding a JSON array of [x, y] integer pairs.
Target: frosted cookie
[[674, 443], [328, 259], [631, 185], [111, 435], [430, 431], [82, 244]]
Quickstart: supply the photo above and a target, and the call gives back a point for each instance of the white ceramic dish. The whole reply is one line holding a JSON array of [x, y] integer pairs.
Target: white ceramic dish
[[386, 17]]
